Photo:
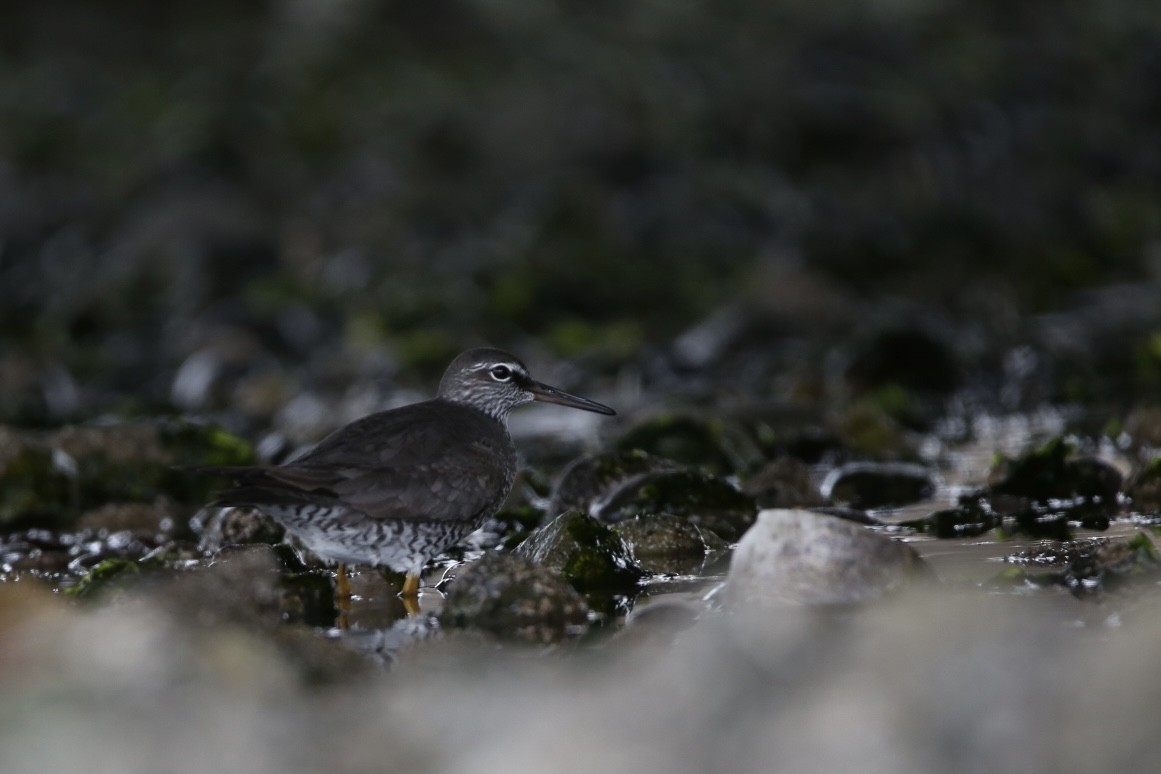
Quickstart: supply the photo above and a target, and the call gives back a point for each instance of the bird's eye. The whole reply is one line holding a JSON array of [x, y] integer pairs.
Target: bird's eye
[[501, 373]]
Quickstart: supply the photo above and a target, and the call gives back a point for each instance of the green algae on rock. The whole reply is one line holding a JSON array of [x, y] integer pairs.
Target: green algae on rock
[[666, 544], [588, 553], [107, 574]]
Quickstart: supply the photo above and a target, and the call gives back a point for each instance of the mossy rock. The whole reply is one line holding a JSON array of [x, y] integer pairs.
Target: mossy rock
[[665, 544], [592, 478], [1051, 475], [586, 552], [703, 500], [1088, 566], [514, 598], [110, 574], [968, 519]]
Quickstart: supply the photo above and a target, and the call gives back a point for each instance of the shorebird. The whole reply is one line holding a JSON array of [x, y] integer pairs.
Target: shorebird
[[400, 487]]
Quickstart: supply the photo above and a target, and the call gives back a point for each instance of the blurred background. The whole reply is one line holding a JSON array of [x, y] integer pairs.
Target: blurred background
[[234, 204], [817, 231]]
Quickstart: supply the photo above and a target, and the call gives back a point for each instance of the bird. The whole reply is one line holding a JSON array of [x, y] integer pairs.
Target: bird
[[398, 488]]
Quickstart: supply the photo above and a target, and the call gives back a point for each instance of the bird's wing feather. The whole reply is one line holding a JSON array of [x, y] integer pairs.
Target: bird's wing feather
[[430, 463]]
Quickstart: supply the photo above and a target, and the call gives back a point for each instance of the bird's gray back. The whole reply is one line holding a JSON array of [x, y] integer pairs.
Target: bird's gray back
[[431, 461]]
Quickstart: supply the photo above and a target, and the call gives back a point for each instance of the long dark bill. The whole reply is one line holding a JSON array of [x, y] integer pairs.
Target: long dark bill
[[547, 394]]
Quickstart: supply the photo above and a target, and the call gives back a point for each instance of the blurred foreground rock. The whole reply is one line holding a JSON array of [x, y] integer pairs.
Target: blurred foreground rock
[[930, 681]]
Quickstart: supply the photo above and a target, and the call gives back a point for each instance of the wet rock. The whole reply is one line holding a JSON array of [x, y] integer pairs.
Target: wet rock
[[1086, 566], [879, 484], [585, 551], [107, 575], [1052, 473], [664, 544], [801, 557], [685, 439], [89, 549], [514, 598], [63, 558], [590, 479], [1056, 488], [783, 483], [38, 552], [708, 502], [972, 516]]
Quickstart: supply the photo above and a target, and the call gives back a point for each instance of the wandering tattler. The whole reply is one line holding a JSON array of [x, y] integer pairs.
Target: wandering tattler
[[400, 487]]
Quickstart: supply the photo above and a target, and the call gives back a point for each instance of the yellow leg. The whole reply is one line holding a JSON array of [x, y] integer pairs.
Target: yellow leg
[[342, 587], [410, 594], [342, 596]]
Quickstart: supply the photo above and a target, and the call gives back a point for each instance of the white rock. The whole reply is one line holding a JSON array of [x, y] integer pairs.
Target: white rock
[[802, 557]]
